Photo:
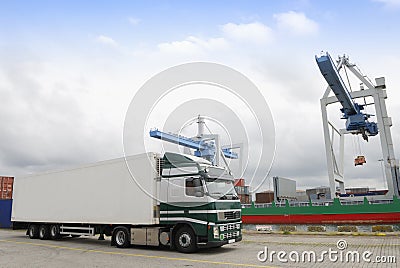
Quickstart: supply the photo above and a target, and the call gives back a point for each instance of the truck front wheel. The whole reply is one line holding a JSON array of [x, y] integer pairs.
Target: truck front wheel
[[120, 237], [33, 231], [185, 240]]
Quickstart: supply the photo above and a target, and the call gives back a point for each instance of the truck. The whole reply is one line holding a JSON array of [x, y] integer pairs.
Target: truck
[[173, 200]]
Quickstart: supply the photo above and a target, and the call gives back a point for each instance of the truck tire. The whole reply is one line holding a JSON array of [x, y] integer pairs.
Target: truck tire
[[55, 232], [185, 240], [33, 231], [121, 237], [44, 232]]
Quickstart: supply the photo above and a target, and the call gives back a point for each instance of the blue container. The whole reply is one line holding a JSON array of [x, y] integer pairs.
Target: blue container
[[5, 213]]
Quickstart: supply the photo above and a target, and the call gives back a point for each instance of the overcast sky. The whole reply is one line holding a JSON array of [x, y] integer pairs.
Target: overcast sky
[[68, 71]]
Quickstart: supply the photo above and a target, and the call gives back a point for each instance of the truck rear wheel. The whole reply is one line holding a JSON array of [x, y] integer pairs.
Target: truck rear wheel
[[44, 232], [121, 237], [33, 231], [185, 240], [55, 232]]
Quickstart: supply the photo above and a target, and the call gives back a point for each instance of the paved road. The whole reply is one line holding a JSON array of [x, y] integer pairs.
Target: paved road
[[17, 250]]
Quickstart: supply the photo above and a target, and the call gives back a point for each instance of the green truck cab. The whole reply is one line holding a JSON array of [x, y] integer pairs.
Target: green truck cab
[[199, 203]]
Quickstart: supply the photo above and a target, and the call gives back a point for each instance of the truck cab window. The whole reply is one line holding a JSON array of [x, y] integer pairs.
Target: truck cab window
[[194, 187]]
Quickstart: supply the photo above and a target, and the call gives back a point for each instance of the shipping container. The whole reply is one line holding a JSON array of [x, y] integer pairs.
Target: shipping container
[[265, 197], [5, 213], [244, 198], [242, 190], [239, 182], [6, 187]]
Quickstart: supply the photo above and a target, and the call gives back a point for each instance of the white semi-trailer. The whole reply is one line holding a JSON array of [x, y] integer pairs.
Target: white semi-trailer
[[175, 200]]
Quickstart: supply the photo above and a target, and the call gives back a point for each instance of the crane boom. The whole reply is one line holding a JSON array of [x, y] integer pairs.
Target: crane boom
[[356, 121], [331, 75], [203, 149]]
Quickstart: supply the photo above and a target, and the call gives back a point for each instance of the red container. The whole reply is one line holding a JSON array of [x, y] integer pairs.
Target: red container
[[239, 182], [6, 187]]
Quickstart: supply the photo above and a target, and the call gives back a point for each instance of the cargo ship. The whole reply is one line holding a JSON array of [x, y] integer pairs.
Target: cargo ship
[[328, 212], [356, 206]]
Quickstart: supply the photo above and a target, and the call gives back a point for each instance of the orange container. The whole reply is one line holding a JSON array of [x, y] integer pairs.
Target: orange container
[[6, 187], [239, 182]]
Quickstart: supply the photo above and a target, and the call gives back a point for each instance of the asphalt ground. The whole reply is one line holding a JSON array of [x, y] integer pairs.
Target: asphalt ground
[[17, 250]]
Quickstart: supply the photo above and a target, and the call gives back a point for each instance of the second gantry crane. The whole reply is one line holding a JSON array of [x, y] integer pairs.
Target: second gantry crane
[[357, 122]]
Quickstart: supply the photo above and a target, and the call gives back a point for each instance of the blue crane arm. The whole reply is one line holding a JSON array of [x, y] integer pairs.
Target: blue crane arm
[[180, 140], [355, 119], [335, 82], [198, 145], [229, 154]]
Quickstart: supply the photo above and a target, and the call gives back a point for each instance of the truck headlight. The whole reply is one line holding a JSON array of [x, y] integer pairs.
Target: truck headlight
[[216, 232]]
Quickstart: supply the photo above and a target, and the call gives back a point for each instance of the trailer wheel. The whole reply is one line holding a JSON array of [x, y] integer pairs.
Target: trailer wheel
[[33, 231], [185, 240], [55, 232], [120, 237], [44, 232]]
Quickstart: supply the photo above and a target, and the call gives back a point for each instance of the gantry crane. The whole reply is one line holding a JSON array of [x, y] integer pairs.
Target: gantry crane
[[205, 145], [356, 121]]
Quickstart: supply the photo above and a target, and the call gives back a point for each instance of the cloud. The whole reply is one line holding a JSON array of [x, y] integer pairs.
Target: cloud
[[54, 115], [252, 34], [296, 23], [106, 40], [192, 45], [255, 32], [389, 4], [134, 21]]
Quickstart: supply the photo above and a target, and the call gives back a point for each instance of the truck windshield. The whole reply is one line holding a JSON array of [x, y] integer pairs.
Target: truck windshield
[[221, 189]]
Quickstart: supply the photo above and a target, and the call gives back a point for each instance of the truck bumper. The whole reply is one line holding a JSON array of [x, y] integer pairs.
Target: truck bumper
[[214, 244]]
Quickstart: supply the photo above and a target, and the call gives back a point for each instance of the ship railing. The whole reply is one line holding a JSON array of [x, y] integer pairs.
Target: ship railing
[[299, 204], [322, 204], [318, 204], [350, 203], [263, 205], [381, 201], [291, 204]]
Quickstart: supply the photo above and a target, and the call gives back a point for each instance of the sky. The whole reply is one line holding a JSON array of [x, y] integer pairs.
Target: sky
[[69, 70]]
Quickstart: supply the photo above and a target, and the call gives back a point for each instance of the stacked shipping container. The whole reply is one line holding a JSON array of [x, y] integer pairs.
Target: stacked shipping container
[[6, 187], [6, 191], [243, 191]]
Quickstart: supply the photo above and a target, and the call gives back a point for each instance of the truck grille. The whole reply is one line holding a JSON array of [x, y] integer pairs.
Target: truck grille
[[229, 227], [231, 235], [231, 215]]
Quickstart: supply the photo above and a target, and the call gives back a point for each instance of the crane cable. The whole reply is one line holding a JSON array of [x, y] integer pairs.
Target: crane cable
[[359, 145], [348, 80], [208, 128]]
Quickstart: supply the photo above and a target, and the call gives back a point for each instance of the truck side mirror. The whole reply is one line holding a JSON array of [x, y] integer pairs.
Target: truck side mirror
[[198, 188]]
